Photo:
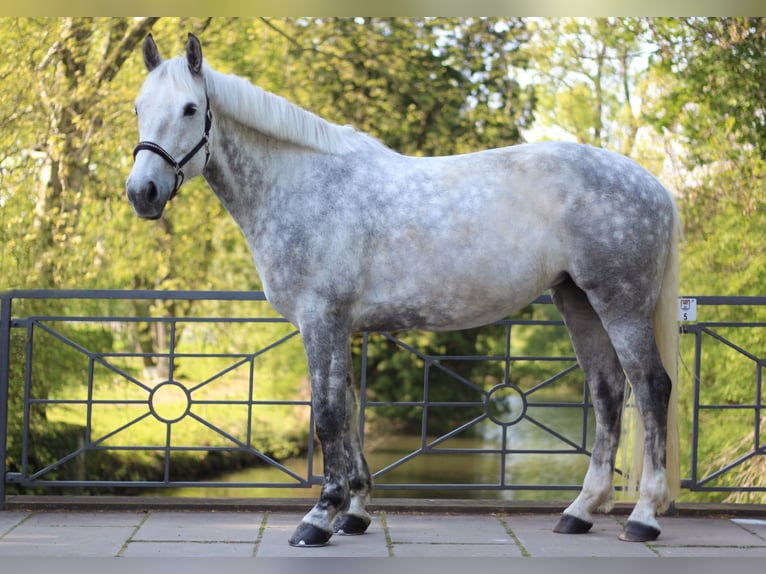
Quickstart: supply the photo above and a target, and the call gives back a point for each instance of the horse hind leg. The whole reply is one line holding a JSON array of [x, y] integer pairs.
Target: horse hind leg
[[629, 324], [636, 346], [606, 380]]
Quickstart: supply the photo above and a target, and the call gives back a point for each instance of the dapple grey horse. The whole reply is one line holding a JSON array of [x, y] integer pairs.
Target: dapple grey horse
[[348, 235]]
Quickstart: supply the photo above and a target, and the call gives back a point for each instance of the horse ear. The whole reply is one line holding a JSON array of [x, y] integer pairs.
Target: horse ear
[[152, 57], [194, 54]]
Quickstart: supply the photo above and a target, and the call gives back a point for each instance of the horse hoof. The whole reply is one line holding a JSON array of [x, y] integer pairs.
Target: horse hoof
[[351, 525], [637, 532], [568, 524], [309, 536]]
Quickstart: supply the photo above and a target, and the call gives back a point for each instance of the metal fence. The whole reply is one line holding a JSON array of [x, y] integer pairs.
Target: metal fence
[[179, 377]]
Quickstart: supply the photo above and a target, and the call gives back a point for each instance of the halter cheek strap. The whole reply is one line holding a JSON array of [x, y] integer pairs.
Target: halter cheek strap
[[178, 165]]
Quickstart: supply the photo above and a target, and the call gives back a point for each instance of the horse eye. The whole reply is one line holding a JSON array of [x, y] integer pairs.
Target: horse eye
[[190, 110]]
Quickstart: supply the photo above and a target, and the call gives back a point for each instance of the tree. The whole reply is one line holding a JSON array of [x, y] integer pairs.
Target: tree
[[590, 79], [713, 111], [422, 86], [719, 62], [57, 134]]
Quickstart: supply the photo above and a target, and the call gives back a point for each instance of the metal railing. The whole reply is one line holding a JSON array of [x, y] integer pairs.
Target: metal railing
[[528, 372], [741, 358]]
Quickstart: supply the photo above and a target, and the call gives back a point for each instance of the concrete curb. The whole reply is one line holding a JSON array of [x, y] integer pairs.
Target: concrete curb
[[411, 505]]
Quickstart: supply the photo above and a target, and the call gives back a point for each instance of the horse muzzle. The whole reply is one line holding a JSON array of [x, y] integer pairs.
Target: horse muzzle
[[146, 197]]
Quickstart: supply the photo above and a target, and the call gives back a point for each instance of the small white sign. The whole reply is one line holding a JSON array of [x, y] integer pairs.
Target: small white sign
[[687, 309]]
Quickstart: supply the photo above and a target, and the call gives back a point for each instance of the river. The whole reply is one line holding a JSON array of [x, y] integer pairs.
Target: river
[[457, 467]]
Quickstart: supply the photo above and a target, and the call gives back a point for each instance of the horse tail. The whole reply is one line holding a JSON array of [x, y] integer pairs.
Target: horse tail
[[667, 337]]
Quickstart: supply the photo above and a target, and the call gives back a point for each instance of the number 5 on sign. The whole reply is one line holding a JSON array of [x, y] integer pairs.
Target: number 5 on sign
[[687, 309]]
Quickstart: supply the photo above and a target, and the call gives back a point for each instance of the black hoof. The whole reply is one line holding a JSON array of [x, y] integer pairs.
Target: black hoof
[[572, 525], [350, 525], [308, 535], [637, 532]]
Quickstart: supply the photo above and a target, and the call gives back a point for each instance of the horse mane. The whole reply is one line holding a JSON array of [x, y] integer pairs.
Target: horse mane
[[277, 117], [269, 113]]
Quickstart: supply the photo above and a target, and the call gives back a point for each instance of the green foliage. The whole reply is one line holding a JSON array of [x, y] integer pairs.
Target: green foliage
[[712, 108], [719, 62], [716, 107], [588, 79]]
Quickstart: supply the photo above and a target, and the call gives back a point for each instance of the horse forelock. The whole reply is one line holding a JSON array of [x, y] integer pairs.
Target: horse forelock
[[176, 72]]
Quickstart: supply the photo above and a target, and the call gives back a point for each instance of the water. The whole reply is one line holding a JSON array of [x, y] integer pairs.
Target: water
[[458, 473]]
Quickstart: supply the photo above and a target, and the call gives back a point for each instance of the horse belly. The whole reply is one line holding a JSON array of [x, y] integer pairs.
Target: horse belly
[[454, 287], [445, 313]]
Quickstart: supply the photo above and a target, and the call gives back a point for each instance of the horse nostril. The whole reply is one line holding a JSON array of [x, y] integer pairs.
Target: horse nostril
[[152, 195]]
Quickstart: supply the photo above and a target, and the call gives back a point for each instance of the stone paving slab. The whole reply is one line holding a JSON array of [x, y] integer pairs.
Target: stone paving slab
[[190, 534], [700, 537], [83, 519], [456, 551], [188, 550], [200, 527], [535, 535], [710, 552], [10, 519], [679, 531], [446, 529], [68, 534], [755, 525], [449, 536], [279, 527]]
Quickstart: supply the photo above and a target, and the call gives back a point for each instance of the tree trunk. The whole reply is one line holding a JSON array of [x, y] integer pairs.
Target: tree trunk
[[69, 100]]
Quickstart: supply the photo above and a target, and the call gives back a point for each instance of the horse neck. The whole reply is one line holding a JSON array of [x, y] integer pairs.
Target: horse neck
[[243, 163]]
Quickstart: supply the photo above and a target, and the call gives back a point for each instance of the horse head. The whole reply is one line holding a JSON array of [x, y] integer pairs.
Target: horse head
[[174, 121]]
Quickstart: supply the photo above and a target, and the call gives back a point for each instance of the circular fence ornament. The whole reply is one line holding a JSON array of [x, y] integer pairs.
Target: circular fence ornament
[[505, 404], [169, 402]]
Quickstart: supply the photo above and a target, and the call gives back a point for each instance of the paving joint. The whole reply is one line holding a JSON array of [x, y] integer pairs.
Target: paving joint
[[512, 534], [386, 534], [132, 535]]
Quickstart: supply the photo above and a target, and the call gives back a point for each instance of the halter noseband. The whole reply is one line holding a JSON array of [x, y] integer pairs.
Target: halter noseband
[[177, 165]]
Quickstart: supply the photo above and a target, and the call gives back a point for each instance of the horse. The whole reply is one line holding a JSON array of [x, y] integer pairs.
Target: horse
[[348, 235]]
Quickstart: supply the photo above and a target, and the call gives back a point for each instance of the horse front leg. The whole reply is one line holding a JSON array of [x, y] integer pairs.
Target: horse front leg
[[356, 519], [328, 360]]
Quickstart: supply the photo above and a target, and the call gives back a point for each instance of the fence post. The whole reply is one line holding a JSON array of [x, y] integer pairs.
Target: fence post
[[5, 367]]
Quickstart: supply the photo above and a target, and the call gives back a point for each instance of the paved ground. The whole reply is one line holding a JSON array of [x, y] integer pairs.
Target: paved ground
[[263, 534]]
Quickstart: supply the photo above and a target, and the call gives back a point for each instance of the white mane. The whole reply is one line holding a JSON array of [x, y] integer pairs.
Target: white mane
[[277, 117], [269, 113]]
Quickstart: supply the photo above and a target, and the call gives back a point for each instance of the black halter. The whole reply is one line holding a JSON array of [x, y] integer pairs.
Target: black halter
[[177, 165]]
